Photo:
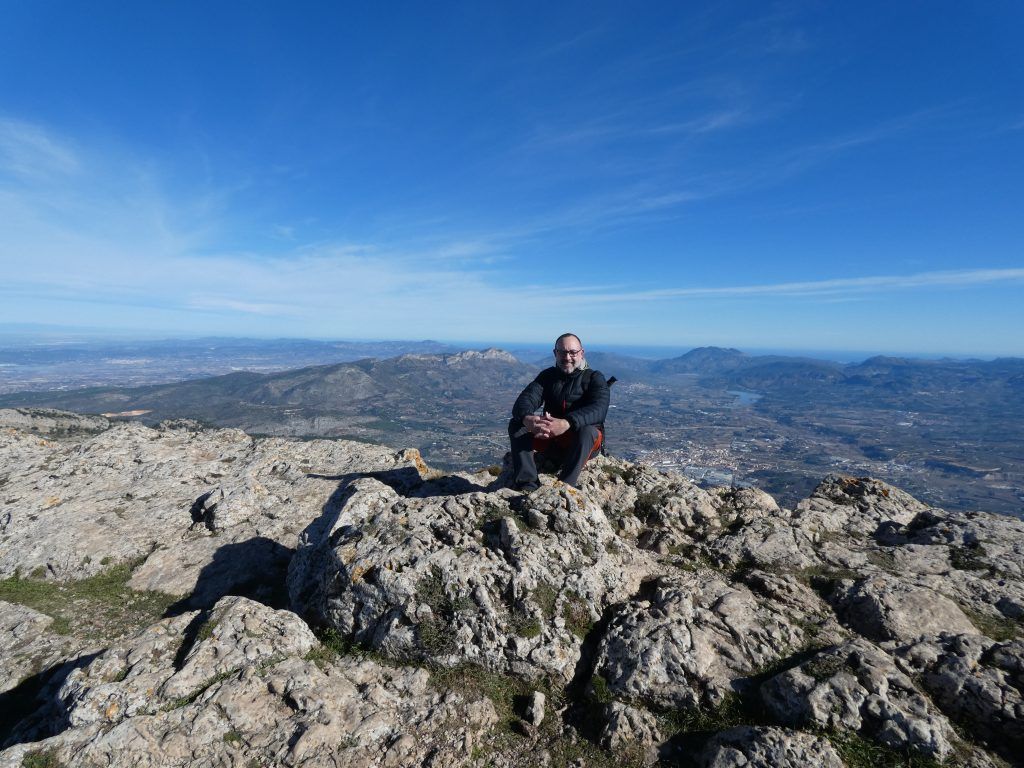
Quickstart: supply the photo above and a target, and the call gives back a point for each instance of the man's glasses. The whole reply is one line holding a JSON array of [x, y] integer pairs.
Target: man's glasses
[[568, 352]]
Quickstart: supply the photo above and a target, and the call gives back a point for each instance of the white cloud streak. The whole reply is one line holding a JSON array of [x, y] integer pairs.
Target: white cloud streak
[[28, 152], [105, 247], [832, 287]]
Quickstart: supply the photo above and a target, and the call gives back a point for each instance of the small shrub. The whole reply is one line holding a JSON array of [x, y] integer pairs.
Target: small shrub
[[491, 513], [525, 625], [968, 558], [599, 690], [648, 503], [576, 615], [823, 667]]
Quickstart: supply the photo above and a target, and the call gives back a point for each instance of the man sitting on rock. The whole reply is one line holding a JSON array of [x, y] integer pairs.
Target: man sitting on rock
[[571, 429]]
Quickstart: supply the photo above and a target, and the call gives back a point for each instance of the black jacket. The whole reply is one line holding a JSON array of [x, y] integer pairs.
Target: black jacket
[[580, 397]]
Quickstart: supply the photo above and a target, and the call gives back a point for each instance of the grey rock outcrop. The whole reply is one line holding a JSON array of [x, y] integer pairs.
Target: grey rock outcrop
[[26, 644], [50, 422], [858, 687], [975, 680], [699, 638], [171, 497], [246, 693], [459, 623], [746, 747], [884, 608], [467, 577]]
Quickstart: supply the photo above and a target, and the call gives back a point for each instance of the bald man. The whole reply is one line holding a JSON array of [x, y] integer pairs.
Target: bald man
[[574, 398]]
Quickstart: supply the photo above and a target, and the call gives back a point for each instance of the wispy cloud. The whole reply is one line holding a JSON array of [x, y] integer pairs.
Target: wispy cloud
[[108, 247], [28, 152], [834, 287]]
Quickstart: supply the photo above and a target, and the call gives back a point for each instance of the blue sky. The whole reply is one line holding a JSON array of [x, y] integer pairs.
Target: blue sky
[[788, 175]]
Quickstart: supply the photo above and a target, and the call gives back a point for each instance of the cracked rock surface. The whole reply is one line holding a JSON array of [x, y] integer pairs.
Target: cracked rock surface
[[181, 596]]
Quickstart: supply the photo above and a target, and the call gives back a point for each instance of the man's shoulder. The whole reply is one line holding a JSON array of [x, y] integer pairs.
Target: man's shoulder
[[596, 376], [548, 374]]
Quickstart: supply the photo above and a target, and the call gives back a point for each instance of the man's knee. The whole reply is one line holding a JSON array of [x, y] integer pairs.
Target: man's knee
[[588, 434]]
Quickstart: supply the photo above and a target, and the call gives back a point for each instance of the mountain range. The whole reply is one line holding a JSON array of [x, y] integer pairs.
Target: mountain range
[[769, 420]]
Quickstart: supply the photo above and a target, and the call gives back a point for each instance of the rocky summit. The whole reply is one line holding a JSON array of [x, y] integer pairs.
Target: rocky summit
[[180, 596]]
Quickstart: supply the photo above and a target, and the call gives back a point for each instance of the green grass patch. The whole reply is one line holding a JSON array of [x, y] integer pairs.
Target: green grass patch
[[100, 606], [472, 681], [41, 758], [999, 628], [968, 558], [600, 691], [206, 630], [492, 512], [545, 597], [507, 738], [732, 711], [524, 625], [435, 635], [688, 557], [824, 580], [334, 644], [824, 667], [234, 738], [859, 752], [883, 558]]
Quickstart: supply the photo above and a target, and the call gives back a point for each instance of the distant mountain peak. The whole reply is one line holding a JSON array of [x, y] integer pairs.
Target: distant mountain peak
[[473, 355], [714, 352]]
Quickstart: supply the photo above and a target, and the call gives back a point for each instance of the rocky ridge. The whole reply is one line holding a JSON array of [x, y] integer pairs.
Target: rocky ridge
[[182, 596]]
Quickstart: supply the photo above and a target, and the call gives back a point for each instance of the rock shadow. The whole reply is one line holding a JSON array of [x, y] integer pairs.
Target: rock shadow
[[30, 710], [256, 568], [407, 482]]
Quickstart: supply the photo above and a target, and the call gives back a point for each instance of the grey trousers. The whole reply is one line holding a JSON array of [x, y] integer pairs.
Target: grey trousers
[[570, 450]]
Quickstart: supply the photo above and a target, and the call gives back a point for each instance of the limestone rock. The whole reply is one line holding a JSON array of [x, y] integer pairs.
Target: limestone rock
[[50, 422], [885, 608], [976, 681], [766, 747], [462, 577], [858, 505], [632, 730], [691, 641], [26, 644], [637, 593], [129, 494], [858, 687], [535, 709], [245, 695]]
